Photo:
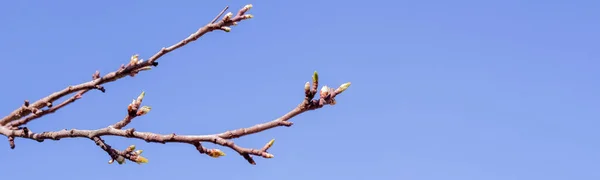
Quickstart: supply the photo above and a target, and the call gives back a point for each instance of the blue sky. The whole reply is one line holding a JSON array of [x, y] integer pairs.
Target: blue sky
[[440, 89]]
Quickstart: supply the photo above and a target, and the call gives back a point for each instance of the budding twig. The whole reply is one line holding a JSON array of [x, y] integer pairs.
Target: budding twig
[[133, 110], [122, 72], [9, 125], [222, 139]]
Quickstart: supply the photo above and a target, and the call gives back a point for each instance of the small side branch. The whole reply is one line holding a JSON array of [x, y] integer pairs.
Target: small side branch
[[51, 110], [133, 110]]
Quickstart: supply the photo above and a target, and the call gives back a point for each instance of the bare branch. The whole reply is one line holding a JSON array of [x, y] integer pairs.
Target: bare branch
[[131, 69], [223, 139], [10, 126]]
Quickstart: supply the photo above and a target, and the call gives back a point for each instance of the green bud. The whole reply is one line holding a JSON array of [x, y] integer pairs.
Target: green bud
[[226, 29], [130, 148], [120, 159], [144, 68], [248, 7], [141, 96], [139, 151], [343, 87], [228, 16], [144, 110]]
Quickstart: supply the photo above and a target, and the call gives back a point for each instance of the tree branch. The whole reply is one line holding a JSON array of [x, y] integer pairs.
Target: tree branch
[[10, 125], [224, 139], [131, 69]]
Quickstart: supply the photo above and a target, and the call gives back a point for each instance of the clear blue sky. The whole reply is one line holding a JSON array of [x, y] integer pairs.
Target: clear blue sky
[[452, 90]]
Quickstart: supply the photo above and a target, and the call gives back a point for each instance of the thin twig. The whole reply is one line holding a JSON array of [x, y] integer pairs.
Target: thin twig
[[123, 122], [220, 14], [53, 109]]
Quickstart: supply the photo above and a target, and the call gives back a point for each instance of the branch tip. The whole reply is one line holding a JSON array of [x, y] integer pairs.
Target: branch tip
[[307, 86], [143, 110], [287, 123], [226, 29], [247, 16], [145, 68], [248, 7], [245, 9], [268, 145], [96, 75], [141, 97], [215, 153], [227, 16], [249, 158], [11, 142], [101, 88], [134, 60], [130, 148], [219, 15], [342, 88]]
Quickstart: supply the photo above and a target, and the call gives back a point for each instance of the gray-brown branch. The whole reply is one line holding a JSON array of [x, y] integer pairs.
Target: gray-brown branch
[[11, 125], [223, 139], [130, 69]]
